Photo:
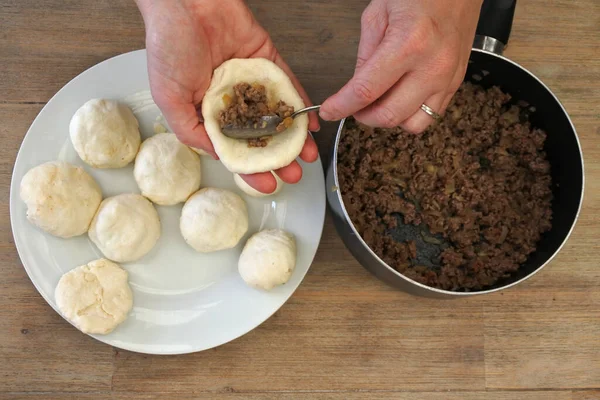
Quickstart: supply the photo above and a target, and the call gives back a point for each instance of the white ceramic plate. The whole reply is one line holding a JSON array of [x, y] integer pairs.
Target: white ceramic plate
[[183, 301]]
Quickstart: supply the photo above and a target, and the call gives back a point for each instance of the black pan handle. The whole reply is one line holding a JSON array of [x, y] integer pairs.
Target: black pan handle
[[495, 24]]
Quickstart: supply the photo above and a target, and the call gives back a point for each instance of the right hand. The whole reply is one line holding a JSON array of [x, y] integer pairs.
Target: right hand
[[186, 40]]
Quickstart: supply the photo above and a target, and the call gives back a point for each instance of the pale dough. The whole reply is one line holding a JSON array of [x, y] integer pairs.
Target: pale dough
[[213, 219], [268, 259], [61, 198], [250, 191], [105, 134], [126, 227], [235, 154], [199, 151], [166, 171], [95, 297]]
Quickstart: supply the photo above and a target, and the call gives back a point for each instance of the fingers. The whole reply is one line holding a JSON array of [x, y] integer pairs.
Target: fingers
[[420, 120], [309, 152], [313, 120], [264, 182], [290, 174], [371, 80], [398, 104], [372, 30]]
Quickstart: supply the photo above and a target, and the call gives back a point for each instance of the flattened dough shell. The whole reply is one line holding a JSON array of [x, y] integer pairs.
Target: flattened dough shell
[[61, 198], [95, 297], [235, 154]]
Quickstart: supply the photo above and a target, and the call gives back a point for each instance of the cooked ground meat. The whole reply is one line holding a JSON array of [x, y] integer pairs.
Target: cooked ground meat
[[458, 207], [248, 104]]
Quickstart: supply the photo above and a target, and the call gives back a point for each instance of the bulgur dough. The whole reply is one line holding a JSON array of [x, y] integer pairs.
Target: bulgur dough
[[250, 191], [105, 134], [213, 219], [235, 154], [61, 198], [268, 259], [95, 297], [125, 228], [166, 171]]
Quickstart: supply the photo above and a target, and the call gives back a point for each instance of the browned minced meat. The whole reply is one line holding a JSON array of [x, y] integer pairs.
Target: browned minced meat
[[478, 180], [248, 104]]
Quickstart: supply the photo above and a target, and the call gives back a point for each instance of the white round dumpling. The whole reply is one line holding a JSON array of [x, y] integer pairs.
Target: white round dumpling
[[236, 154], [125, 228], [95, 297], [268, 259], [213, 219], [166, 171], [61, 198], [105, 134], [250, 191]]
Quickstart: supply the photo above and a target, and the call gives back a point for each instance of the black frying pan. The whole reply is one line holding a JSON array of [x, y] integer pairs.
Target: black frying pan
[[562, 147]]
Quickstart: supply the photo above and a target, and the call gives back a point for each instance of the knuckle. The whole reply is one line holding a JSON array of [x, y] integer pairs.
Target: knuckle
[[386, 117], [363, 91]]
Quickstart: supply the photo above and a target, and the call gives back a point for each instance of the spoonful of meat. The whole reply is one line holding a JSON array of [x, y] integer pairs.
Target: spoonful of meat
[[267, 125]]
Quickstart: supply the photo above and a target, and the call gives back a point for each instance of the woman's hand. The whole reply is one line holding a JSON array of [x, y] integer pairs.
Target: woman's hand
[[186, 40], [410, 52]]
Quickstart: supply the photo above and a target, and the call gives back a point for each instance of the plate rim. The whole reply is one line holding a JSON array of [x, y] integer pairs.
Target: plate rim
[[14, 197]]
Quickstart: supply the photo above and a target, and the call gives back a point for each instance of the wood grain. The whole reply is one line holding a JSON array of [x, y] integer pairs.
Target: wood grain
[[344, 334]]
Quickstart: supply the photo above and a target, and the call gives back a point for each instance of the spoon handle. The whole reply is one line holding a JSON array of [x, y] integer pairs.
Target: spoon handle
[[305, 110]]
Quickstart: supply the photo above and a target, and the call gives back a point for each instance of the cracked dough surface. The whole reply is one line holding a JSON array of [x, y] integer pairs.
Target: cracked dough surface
[[268, 259], [95, 297], [105, 134], [166, 170], [213, 219], [61, 198], [126, 227]]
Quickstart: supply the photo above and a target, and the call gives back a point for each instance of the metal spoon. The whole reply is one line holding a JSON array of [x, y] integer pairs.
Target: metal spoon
[[266, 127]]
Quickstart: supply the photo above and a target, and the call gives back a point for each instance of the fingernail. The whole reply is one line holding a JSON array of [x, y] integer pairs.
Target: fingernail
[[326, 115]]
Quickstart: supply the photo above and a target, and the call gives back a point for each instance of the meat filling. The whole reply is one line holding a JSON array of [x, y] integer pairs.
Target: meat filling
[[248, 104], [476, 185]]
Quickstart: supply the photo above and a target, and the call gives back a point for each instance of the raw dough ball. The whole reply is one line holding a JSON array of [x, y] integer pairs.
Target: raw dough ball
[[166, 171], [250, 191], [95, 297], [61, 198], [125, 228], [235, 154], [213, 219], [268, 259], [105, 134]]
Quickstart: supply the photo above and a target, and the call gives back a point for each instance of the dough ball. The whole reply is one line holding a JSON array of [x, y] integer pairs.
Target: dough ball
[[250, 191], [61, 198], [125, 228], [166, 171], [95, 297], [268, 259], [236, 154], [200, 151], [213, 219], [105, 134]]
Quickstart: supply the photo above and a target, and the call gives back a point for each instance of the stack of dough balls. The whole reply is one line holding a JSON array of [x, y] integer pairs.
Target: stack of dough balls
[[65, 201]]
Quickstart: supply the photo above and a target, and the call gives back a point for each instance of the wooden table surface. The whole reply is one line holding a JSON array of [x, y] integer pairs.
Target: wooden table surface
[[343, 334]]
